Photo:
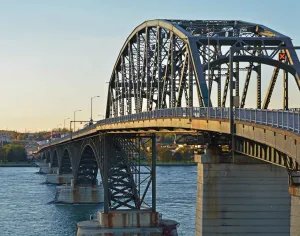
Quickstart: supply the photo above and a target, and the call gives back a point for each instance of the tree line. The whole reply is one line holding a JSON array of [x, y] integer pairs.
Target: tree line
[[13, 153]]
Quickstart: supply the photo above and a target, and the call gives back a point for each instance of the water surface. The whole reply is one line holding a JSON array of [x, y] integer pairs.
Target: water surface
[[24, 209]]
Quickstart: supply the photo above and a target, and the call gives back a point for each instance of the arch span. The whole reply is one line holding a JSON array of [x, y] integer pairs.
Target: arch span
[[88, 167], [48, 159], [162, 63], [66, 166], [54, 161]]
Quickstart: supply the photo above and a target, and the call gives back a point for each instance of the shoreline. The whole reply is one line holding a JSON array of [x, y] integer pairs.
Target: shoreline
[[19, 165], [158, 164]]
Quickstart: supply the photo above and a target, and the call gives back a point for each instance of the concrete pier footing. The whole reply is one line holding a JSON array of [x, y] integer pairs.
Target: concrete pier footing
[[70, 194], [248, 198], [295, 210], [129, 223], [45, 168], [59, 179]]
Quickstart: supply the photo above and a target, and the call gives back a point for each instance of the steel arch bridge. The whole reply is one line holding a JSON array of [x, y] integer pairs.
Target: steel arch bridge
[[164, 64], [160, 83]]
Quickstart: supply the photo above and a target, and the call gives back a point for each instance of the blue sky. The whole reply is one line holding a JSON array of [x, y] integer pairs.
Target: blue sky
[[55, 55]]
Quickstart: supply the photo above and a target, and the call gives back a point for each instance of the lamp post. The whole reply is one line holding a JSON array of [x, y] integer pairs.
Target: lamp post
[[92, 107], [65, 122], [74, 118]]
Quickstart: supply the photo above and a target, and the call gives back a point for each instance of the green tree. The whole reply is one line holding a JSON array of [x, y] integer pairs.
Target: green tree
[[15, 153], [2, 154]]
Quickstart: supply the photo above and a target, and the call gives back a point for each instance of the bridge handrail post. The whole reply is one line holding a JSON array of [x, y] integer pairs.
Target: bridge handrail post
[[215, 113], [277, 119], [298, 122], [282, 119], [288, 120], [250, 115], [272, 118], [293, 120], [266, 117], [221, 112], [228, 109]]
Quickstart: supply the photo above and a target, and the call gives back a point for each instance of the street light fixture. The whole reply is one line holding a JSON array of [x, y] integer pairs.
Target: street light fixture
[[92, 107], [65, 122], [74, 118]]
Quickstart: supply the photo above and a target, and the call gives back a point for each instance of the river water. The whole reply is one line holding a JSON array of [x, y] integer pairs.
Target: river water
[[24, 209]]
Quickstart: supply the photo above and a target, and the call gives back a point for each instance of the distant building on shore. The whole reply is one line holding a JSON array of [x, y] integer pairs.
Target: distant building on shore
[[5, 138]]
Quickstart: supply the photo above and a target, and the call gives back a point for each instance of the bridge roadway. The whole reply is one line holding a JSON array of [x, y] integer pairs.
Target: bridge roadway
[[275, 130]]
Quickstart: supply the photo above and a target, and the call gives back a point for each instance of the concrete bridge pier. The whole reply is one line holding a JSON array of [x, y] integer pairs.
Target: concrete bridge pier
[[248, 197], [130, 223], [79, 194], [45, 168], [57, 178], [294, 191]]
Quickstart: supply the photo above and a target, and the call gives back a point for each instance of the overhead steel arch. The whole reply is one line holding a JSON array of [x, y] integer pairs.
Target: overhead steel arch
[[144, 71], [162, 63]]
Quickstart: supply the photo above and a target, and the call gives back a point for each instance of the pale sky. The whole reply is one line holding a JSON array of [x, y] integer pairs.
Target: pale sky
[[55, 55]]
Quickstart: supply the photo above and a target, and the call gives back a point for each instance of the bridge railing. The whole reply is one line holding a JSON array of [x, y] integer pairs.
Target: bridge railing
[[284, 119]]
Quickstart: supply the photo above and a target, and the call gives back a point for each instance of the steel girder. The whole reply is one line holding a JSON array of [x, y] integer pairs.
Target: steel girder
[[163, 61], [127, 169]]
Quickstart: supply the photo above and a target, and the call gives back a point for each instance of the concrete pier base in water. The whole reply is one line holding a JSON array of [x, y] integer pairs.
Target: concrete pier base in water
[[295, 206], [248, 198], [68, 194], [129, 223], [59, 179], [45, 168]]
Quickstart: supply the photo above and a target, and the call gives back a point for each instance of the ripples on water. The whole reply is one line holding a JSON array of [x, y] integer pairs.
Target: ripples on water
[[24, 209]]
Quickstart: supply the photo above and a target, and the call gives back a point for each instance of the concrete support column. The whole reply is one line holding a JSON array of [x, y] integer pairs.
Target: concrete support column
[[129, 223], [295, 205], [59, 179], [248, 198], [45, 168], [74, 194]]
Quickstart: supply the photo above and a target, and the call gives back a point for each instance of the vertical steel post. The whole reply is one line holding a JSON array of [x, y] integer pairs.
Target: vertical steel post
[[258, 87], [231, 101], [208, 68], [153, 173], [173, 82], [159, 68], [237, 79], [285, 91], [147, 48], [190, 82], [105, 175], [219, 86]]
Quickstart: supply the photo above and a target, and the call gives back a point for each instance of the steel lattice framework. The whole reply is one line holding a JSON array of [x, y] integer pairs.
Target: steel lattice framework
[[164, 63]]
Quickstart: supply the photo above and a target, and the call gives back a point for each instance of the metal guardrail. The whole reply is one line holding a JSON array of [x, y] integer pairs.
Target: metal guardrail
[[283, 119]]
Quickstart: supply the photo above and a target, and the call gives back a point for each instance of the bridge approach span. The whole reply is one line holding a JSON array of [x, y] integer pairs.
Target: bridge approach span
[[272, 136]]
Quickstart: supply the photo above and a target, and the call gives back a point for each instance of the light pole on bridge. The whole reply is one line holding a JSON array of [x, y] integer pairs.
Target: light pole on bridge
[[74, 118], [92, 107], [65, 122]]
